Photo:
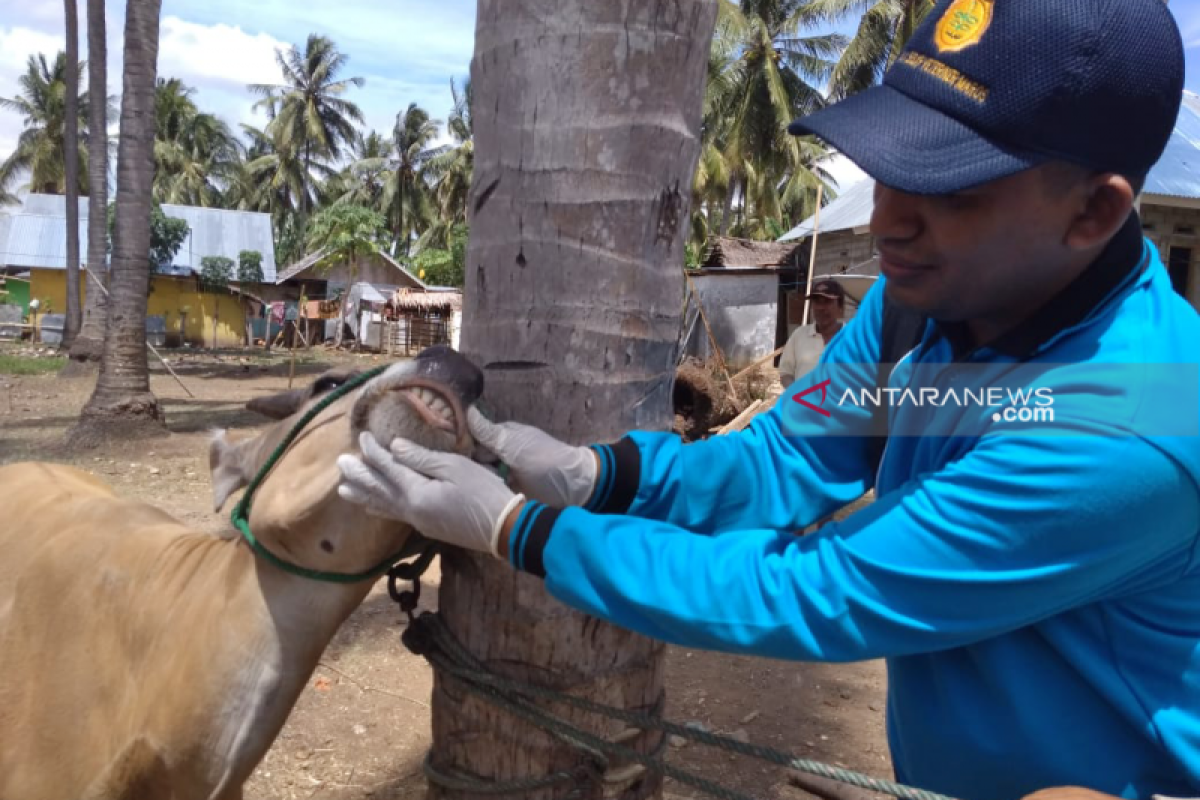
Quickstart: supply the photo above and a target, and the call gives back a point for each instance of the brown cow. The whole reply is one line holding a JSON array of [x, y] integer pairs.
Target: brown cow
[[142, 659]]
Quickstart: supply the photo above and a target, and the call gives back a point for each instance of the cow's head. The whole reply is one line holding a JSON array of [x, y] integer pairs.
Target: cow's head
[[296, 511]]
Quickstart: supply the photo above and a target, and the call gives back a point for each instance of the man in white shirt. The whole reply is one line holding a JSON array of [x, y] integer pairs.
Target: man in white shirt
[[805, 346]]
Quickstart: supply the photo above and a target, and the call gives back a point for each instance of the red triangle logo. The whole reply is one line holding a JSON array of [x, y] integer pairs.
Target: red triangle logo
[[823, 386]]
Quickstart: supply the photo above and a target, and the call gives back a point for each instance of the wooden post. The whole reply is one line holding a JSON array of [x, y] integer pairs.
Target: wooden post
[[812, 258], [291, 352]]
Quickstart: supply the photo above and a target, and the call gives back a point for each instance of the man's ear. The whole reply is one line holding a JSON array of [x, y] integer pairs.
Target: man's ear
[[1107, 205]]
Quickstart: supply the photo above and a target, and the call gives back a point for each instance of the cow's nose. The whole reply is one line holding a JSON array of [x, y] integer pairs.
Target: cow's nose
[[447, 366]]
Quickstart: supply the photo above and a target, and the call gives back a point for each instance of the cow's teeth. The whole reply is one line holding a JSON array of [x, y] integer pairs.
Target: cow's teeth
[[438, 406]]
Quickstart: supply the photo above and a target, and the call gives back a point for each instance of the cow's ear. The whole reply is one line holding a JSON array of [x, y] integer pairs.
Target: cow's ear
[[279, 406], [229, 466], [284, 404]]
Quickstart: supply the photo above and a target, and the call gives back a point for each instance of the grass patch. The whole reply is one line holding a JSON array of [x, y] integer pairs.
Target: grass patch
[[25, 365]]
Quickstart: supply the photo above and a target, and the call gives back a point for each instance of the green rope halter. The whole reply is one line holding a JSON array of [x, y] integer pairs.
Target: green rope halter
[[241, 512]]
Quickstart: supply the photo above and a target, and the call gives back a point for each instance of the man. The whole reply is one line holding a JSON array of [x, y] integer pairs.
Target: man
[[1033, 584], [805, 345]]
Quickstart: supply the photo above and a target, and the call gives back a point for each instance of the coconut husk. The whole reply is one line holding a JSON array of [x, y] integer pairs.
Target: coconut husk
[[703, 403], [701, 400]]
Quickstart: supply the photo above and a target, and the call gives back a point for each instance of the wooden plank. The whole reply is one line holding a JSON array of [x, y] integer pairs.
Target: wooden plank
[[741, 419], [759, 363]]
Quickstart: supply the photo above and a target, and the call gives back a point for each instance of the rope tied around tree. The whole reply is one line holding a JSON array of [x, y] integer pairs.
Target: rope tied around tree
[[428, 636]]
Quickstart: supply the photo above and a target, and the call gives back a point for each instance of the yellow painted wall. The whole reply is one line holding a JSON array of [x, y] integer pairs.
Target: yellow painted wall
[[168, 297]]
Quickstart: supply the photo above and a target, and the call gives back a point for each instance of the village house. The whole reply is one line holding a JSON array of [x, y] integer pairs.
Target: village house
[[387, 307], [180, 310], [747, 290]]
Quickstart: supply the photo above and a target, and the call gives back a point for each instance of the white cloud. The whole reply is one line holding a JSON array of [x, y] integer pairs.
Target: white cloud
[[211, 55]]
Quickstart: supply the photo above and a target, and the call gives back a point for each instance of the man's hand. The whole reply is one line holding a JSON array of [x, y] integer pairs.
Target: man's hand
[[1076, 793], [557, 474], [444, 496]]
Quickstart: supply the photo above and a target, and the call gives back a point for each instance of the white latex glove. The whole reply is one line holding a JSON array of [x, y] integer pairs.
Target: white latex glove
[[546, 469], [443, 495]]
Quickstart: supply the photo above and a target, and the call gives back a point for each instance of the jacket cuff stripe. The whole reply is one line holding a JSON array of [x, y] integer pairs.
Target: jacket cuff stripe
[[626, 477], [538, 536], [515, 539], [604, 480]]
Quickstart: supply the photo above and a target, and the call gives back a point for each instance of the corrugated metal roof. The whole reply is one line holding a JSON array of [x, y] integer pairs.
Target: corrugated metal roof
[[312, 258], [851, 209], [39, 242], [34, 234], [1177, 173], [299, 266]]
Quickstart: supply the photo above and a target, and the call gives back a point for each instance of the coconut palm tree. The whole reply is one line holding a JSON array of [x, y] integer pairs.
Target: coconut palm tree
[[452, 169], [122, 397], [40, 147], [884, 28], [362, 182], [407, 197], [71, 173], [194, 152], [537, 243], [765, 71], [89, 344], [270, 178], [309, 115]]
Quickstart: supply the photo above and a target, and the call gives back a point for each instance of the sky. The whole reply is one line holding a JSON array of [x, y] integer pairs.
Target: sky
[[408, 51]]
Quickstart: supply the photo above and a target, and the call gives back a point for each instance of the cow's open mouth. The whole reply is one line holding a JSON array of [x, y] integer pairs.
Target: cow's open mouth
[[428, 402], [438, 409]]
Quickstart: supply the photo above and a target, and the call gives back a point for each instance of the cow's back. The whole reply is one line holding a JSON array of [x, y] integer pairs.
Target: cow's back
[[73, 561]]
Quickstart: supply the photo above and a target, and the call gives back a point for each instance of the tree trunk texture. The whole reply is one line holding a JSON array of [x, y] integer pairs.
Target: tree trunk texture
[[71, 169], [727, 211], [89, 344], [122, 403], [587, 134]]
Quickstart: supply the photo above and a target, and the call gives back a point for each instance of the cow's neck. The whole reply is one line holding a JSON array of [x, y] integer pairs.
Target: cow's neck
[[273, 628], [288, 620]]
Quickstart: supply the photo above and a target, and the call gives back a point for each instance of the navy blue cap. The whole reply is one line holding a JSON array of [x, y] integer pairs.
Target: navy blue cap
[[988, 88]]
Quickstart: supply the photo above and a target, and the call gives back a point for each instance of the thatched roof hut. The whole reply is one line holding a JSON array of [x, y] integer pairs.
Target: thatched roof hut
[[413, 300], [730, 253]]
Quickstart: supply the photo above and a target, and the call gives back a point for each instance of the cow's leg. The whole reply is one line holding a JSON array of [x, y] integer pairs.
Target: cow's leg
[[137, 772]]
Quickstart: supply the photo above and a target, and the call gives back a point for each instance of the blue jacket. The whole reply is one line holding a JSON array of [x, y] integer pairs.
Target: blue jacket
[[1033, 586]]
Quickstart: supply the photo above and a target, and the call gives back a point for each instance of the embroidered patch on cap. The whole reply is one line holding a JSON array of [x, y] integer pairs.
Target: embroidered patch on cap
[[963, 24]]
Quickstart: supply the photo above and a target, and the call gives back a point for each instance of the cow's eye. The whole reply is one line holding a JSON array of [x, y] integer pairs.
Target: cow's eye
[[327, 384]]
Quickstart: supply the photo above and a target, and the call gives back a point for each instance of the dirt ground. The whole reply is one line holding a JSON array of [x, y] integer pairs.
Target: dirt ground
[[362, 726]]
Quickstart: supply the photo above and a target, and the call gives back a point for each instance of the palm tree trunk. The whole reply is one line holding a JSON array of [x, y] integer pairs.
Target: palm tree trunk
[[122, 397], [89, 344], [587, 135], [71, 170], [727, 211]]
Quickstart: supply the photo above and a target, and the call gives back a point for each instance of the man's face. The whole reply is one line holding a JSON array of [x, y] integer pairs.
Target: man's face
[[825, 311], [995, 252]]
